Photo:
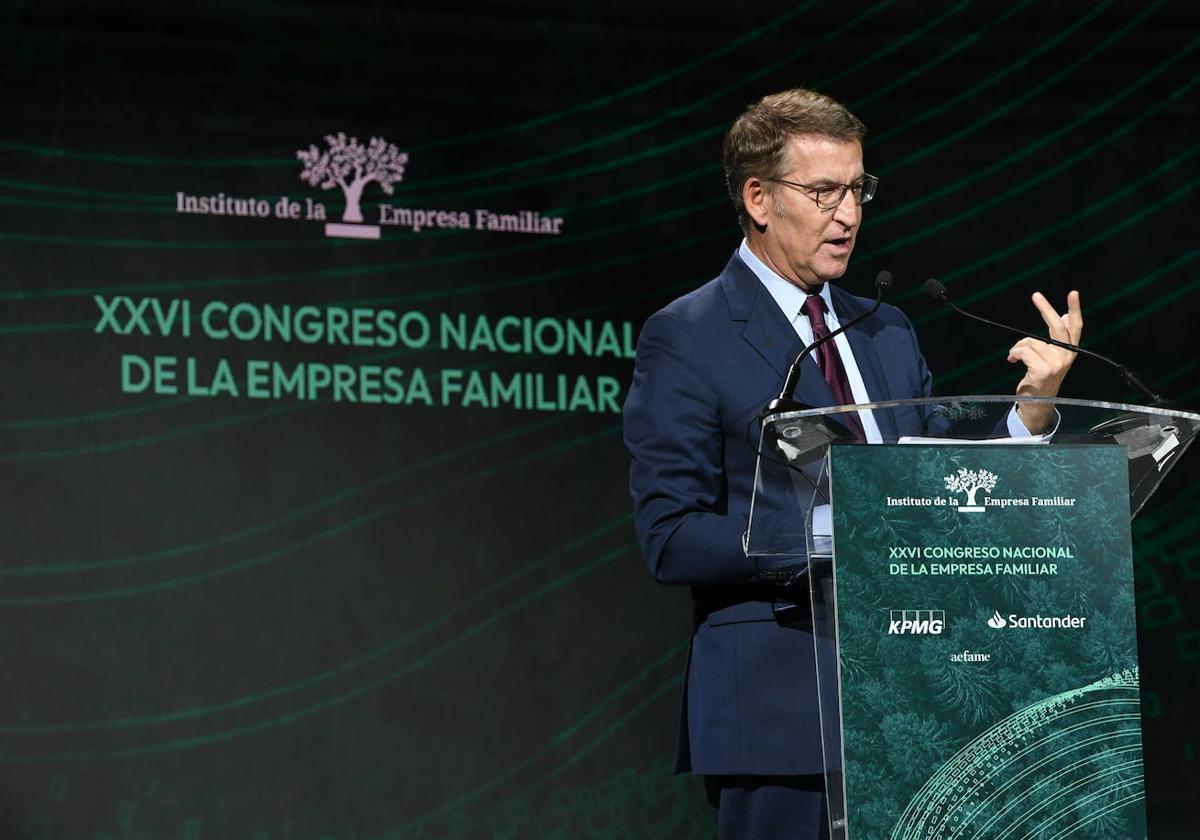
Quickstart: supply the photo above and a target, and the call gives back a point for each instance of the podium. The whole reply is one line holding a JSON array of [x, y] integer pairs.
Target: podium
[[972, 609]]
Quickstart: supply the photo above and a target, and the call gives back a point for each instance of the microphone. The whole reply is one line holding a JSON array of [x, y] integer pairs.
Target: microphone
[[937, 291], [785, 400]]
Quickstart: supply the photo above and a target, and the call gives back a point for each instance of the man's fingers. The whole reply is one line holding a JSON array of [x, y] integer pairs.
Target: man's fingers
[[1040, 350], [1046, 364], [1066, 327], [1029, 351], [1074, 316], [1054, 322]]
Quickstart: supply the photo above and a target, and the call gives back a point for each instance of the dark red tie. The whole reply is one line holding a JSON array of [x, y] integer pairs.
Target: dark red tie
[[831, 365]]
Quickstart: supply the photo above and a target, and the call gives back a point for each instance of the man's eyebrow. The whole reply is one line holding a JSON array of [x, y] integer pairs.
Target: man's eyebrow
[[829, 182]]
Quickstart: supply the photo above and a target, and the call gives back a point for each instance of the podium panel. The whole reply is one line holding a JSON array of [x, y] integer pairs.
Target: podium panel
[[987, 642]]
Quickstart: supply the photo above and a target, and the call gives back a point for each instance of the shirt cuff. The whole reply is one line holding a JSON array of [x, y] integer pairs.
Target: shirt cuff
[[1018, 429]]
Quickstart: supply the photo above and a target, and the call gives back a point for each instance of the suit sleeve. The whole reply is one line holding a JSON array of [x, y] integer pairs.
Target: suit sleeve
[[932, 423], [673, 431], [924, 379]]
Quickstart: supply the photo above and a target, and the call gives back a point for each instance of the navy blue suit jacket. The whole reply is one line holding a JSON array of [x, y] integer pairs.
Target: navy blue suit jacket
[[705, 365]]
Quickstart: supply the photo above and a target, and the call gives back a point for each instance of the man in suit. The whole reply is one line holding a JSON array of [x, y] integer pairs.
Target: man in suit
[[706, 365]]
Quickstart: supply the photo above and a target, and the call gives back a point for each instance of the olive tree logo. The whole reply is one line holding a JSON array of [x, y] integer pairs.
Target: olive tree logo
[[349, 164], [971, 482]]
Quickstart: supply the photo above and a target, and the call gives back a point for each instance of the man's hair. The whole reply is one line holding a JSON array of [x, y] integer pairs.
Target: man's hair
[[756, 143]]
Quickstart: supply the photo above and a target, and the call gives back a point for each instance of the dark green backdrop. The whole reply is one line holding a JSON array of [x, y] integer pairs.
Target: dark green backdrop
[[237, 618]]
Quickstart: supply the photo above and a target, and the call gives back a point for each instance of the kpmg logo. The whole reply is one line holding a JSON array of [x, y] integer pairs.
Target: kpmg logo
[[916, 622], [1036, 622], [971, 482], [348, 164]]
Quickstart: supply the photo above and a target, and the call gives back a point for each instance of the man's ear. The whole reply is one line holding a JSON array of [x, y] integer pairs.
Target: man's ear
[[757, 199]]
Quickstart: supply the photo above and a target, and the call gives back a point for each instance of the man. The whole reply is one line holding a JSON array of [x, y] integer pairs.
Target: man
[[706, 364]]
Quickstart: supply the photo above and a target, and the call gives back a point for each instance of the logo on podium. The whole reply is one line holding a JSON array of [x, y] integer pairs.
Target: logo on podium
[[970, 482], [916, 622]]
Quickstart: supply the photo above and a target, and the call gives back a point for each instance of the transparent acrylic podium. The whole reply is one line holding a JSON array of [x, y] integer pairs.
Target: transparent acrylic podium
[[791, 517]]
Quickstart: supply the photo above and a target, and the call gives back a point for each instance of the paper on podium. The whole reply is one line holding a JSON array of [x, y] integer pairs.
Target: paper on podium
[[1025, 440]]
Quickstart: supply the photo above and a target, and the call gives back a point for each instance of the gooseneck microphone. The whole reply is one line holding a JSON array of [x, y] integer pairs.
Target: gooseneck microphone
[[785, 401], [937, 291]]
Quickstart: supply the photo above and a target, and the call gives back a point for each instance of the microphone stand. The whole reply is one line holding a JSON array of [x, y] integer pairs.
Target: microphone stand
[[937, 291], [786, 400]]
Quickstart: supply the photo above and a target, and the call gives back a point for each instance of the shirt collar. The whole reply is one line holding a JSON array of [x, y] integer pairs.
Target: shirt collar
[[789, 297]]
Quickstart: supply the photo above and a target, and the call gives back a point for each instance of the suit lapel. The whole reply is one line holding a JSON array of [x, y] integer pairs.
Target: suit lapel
[[766, 330], [773, 338], [770, 333]]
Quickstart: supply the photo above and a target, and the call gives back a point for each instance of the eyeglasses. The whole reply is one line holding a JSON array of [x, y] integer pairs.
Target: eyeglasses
[[831, 197]]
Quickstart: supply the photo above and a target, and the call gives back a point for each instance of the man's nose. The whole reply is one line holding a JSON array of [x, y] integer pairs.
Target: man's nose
[[847, 212]]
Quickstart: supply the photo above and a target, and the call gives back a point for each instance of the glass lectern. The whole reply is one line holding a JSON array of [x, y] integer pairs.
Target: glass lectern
[[978, 676]]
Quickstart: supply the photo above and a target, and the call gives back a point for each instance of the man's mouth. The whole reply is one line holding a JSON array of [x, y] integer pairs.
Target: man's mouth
[[839, 241]]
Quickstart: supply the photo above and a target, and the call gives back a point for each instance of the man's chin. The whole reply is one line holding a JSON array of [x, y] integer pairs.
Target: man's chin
[[818, 275], [832, 270]]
